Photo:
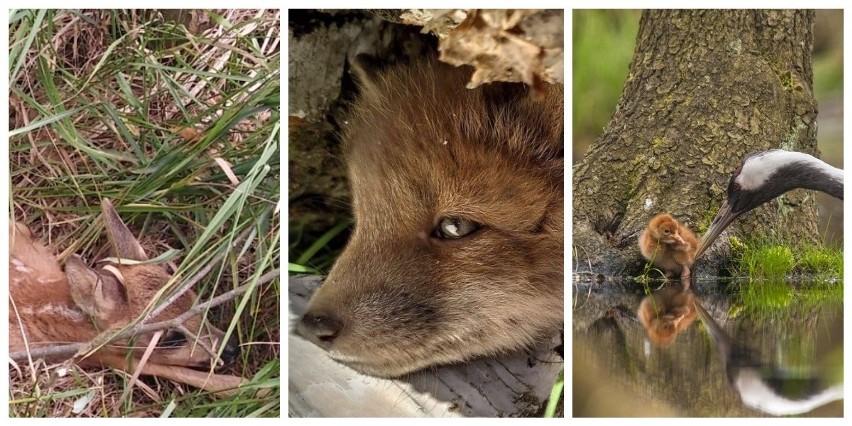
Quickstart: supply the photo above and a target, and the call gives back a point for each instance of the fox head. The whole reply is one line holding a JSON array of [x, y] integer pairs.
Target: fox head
[[457, 248]]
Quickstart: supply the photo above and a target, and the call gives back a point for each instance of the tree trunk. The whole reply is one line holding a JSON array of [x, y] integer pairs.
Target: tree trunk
[[705, 88]]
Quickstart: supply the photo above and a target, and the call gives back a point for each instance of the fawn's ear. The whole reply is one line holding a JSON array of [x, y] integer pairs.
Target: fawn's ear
[[99, 294], [124, 244]]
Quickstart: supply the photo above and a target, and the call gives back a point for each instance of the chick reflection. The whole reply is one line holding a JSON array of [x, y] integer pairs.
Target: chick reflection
[[666, 313]]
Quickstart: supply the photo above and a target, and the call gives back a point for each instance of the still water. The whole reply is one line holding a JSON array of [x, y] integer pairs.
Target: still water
[[709, 351]]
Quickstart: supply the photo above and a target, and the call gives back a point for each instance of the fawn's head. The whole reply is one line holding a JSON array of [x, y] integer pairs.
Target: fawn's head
[[110, 296]]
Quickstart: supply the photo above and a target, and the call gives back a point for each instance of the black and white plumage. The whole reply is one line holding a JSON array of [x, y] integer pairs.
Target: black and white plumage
[[766, 175]]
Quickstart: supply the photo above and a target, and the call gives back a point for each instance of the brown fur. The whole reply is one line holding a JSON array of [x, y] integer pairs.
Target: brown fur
[[666, 314], [669, 245], [48, 307], [420, 148]]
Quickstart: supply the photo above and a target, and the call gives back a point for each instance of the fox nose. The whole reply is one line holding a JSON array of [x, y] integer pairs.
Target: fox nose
[[320, 328]]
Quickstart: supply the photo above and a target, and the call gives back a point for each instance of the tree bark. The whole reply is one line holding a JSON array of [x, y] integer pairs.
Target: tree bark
[[705, 88]]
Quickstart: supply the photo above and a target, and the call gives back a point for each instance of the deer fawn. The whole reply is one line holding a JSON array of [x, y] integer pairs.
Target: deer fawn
[[49, 307]]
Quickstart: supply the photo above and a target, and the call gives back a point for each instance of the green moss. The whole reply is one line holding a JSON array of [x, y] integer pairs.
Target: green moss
[[821, 261], [735, 47], [767, 260], [709, 214], [738, 247], [767, 291], [770, 261], [786, 79]]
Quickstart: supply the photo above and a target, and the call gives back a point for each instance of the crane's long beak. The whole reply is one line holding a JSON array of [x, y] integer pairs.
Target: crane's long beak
[[720, 222], [717, 334]]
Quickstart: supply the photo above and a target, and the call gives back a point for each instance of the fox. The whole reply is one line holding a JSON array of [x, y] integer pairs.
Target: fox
[[50, 306], [457, 248]]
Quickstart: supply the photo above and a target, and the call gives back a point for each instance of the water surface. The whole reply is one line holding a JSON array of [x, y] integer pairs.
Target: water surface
[[738, 362]]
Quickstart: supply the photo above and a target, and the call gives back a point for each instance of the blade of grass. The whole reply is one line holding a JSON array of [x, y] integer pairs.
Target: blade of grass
[[321, 242], [555, 395], [19, 55]]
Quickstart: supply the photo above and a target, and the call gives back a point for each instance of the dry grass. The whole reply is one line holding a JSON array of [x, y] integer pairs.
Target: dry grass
[[174, 116]]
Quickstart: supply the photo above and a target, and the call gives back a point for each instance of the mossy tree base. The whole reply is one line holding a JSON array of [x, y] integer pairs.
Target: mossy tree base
[[705, 89]]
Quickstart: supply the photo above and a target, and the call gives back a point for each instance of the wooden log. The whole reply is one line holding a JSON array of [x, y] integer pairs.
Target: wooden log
[[516, 385]]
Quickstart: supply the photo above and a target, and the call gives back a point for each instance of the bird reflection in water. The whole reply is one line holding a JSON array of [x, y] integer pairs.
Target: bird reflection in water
[[667, 313], [760, 386]]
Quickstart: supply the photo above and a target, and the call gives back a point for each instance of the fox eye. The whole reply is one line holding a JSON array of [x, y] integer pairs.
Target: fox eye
[[172, 339], [453, 228]]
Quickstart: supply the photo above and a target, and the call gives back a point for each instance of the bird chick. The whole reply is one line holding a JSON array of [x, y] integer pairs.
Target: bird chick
[[667, 313], [670, 246]]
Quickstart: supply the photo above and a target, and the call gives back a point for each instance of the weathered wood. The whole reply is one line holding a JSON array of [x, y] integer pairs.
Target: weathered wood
[[510, 386]]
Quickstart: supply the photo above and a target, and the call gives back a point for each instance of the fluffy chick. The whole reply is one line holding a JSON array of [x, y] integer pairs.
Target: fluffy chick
[[670, 246]]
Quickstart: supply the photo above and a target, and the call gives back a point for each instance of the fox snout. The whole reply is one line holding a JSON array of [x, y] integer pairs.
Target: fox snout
[[388, 310], [321, 328], [355, 312]]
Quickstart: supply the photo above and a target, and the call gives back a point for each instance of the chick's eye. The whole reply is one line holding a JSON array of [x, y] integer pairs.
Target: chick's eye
[[453, 228]]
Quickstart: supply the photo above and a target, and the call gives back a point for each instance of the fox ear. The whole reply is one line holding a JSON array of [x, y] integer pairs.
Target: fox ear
[[366, 70], [100, 295], [124, 244]]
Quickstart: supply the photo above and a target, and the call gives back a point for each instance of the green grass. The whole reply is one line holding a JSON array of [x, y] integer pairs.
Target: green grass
[[821, 261], [769, 290], [767, 296], [181, 129], [555, 395], [768, 262], [767, 299], [317, 257]]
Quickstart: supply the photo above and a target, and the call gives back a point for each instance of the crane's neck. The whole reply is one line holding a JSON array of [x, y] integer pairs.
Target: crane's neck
[[779, 171]]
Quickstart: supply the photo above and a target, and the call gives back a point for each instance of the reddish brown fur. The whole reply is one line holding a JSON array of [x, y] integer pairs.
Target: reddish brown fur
[[421, 147], [669, 245], [50, 307], [666, 314]]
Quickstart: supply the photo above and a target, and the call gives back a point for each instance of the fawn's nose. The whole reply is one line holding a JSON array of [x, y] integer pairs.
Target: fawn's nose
[[320, 327], [231, 351]]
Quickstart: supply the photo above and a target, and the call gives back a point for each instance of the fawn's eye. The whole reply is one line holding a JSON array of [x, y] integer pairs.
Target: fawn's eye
[[172, 339], [453, 228]]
